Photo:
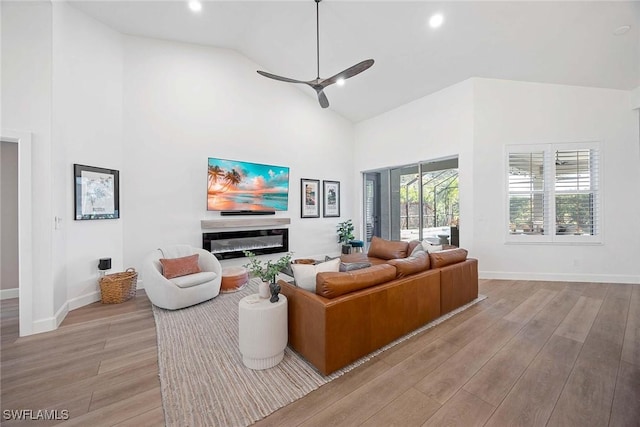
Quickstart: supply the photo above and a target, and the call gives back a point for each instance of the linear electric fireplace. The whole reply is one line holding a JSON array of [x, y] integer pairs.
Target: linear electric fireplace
[[230, 244]]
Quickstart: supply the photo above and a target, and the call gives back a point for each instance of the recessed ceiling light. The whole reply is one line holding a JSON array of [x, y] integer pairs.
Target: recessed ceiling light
[[436, 20], [622, 30], [195, 5], [340, 82]]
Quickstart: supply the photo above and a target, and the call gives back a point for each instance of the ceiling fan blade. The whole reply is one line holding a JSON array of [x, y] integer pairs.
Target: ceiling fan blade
[[282, 79], [324, 102], [319, 84], [349, 72]]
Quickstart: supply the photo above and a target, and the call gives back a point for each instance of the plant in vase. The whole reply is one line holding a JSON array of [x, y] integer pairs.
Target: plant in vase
[[267, 272], [345, 235]]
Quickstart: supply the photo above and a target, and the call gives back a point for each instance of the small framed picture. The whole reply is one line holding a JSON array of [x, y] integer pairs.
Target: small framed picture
[[97, 193], [331, 196], [309, 198]]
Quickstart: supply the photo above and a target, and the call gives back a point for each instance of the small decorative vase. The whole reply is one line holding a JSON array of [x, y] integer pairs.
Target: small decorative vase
[[263, 290], [275, 290]]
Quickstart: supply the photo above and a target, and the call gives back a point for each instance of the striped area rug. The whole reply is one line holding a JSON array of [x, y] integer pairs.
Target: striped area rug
[[202, 377]]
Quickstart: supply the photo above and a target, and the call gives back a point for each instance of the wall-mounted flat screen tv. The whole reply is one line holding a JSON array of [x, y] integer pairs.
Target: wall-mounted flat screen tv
[[236, 185]]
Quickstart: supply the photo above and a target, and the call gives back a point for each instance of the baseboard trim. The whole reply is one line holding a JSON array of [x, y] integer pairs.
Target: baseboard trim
[[90, 298], [9, 293], [52, 323], [561, 277], [61, 314], [83, 300]]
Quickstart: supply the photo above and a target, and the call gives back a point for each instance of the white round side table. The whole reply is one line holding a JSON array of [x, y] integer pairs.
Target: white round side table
[[262, 331]]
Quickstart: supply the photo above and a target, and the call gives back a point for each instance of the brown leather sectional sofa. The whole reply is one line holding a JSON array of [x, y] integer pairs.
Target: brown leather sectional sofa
[[356, 312]]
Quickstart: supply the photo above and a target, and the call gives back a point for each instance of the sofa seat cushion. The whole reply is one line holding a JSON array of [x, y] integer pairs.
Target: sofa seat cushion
[[416, 263], [332, 285], [194, 279], [387, 249], [447, 257]]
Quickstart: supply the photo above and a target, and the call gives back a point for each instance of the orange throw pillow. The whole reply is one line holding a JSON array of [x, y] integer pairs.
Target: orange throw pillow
[[176, 267]]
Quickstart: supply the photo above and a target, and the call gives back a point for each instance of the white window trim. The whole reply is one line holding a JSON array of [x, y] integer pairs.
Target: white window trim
[[549, 149]]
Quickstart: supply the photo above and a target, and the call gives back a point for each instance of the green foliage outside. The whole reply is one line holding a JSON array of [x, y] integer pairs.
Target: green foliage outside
[[440, 207]]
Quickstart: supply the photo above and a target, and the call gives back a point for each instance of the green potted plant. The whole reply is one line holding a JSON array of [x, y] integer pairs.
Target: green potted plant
[[267, 272], [345, 235]]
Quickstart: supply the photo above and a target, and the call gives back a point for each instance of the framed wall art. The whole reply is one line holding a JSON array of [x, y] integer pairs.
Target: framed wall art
[[96, 193], [331, 197], [309, 198]]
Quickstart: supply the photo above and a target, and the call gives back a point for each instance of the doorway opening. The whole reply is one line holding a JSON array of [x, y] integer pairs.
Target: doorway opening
[[25, 264]]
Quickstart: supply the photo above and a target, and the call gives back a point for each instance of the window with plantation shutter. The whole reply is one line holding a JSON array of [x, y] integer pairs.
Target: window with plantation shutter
[[553, 193], [527, 207]]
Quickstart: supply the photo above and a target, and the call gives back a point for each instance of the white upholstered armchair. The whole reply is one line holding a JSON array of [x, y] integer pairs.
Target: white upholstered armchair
[[183, 290]]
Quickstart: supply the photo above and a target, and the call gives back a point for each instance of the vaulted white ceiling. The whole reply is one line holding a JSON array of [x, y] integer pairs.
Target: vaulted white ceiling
[[570, 43]]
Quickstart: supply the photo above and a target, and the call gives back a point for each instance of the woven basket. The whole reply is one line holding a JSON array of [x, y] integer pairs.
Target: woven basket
[[118, 287]]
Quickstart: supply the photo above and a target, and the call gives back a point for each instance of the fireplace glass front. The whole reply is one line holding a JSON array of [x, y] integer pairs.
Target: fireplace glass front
[[231, 244]]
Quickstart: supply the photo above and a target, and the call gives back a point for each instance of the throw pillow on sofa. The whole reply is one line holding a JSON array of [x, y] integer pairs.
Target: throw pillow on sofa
[[305, 274], [352, 266], [417, 249], [430, 247]]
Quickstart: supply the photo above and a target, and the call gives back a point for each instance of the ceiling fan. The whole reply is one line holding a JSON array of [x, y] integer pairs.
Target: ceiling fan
[[318, 84]]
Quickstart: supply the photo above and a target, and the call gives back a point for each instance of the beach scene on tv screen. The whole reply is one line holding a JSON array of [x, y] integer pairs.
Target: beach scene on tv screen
[[237, 185]]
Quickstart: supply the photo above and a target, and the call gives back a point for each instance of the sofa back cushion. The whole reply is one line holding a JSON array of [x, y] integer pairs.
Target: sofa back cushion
[[387, 249], [331, 285], [447, 257], [414, 264]]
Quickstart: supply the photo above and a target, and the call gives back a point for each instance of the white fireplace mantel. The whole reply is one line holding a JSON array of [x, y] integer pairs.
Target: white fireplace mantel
[[242, 222]]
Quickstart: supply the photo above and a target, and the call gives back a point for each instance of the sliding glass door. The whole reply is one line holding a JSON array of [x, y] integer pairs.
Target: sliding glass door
[[371, 205], [413, 202]]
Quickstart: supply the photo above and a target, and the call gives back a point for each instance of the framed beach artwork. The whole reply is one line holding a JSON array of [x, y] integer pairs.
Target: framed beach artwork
[[331, 197], [97, 193], [309, 198]]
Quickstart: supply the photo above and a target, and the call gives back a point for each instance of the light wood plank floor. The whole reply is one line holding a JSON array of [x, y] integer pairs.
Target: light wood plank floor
[[532, 353]]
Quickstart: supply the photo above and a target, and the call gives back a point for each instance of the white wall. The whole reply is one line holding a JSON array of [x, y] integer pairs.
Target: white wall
[[87, 129], [27, 106], [476, 119], [433, 127], [155, 111], [508, 112], [184, 103]]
